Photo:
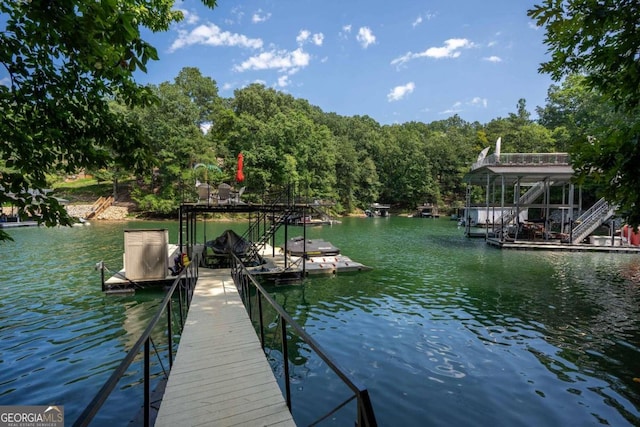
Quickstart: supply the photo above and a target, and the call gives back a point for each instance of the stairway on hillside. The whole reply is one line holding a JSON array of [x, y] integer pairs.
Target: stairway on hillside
[[100, 205]]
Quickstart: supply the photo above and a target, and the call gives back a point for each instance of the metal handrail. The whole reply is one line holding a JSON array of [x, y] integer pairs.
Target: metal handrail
[[190, 276], [243, 279], [592, 219], [597, 206], [523, 159]]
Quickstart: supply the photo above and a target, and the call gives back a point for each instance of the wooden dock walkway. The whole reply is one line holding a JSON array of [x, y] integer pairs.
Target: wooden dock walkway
[[221, 376]]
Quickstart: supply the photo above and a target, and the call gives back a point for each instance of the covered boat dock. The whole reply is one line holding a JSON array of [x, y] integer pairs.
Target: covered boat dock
[[530, 202]]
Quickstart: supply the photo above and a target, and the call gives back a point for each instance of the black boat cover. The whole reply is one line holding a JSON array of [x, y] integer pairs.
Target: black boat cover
[[229, 241]]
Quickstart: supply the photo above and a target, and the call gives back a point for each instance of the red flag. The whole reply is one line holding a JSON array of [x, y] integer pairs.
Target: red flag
[[239, 174]]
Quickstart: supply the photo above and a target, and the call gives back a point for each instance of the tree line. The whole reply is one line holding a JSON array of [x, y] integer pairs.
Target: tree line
[[353, 161]]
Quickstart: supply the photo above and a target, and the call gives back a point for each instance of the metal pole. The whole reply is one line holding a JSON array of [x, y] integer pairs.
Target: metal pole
[[286, 241], [261, 322], [502, 211], [170, 334], [304, 244], [104, 287], [147, 386], [517, 200], [285, 360], [486, 235], [181, 230]]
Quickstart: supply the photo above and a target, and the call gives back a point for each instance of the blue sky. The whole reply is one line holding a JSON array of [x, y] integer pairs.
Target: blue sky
[[395, 61]]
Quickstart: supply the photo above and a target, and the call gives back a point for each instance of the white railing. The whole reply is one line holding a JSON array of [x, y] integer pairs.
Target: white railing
[[523, 159]]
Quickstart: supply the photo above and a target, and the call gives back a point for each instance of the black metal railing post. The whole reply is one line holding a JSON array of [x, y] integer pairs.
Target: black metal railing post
[[170, 334], [285, 359], [147, 384], [260, 321]]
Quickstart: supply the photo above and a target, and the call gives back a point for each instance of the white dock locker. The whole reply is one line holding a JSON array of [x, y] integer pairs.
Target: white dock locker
[[146, 254]]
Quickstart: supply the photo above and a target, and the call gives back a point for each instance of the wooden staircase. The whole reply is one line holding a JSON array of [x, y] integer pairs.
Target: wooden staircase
[[100, 206]]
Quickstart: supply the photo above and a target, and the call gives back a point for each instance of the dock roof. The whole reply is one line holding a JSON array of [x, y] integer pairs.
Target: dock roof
[[527, 167]]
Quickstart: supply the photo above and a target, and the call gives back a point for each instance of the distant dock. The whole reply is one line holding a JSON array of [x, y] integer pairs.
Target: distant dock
[[221, 375], [557, 246]]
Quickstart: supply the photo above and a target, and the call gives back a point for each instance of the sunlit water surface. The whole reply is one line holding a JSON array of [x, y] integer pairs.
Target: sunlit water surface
[[443, 331]]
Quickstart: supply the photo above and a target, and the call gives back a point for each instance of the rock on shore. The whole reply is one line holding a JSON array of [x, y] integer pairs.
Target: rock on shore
[[112, 213]]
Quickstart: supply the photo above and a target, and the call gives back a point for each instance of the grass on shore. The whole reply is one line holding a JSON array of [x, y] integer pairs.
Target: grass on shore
[[83, 190]]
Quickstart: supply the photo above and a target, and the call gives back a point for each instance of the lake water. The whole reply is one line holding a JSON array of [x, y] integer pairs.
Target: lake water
[[443, 331]]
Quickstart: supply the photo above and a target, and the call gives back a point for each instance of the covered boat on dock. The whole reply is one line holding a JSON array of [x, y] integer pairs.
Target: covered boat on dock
[[216, 253]]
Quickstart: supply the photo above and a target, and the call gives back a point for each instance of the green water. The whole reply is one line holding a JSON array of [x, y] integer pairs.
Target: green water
[[443, 331]]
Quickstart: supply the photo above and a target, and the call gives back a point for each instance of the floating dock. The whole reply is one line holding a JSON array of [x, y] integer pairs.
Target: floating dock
[[274, 268], [558, 246], [221, 375], [16, 224], [120, 283]]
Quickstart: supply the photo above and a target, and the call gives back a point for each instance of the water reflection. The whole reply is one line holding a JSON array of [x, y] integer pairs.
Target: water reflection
[[62, 337], [443, 331], [449, 331]]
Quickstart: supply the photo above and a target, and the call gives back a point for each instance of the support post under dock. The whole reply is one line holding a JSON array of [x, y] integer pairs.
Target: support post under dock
[[221, 375]]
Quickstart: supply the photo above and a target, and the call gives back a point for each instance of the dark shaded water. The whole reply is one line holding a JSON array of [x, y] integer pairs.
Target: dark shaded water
[[443, 331]]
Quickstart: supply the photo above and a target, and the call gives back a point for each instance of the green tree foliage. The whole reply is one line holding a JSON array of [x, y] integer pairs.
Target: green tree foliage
[[600, 40], [520, 134], [575, 111], [66, 60], [285, 141], [174, 127]]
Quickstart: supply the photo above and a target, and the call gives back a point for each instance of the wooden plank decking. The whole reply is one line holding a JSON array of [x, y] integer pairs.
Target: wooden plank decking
[[221, 376]]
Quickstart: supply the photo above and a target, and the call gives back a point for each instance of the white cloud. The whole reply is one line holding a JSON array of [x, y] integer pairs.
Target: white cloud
[[227, 86], [493, 58], [533, 26], [492, 43], [5, 81], [283, 81], [421, 18], [190, 18], [260, 17], [451, 49], [318, 39], [399, 92], [365, 37], [480, 102], [237, 14], [346, 30], [212, 35], [303, 36], [281, 60], [455, 109]]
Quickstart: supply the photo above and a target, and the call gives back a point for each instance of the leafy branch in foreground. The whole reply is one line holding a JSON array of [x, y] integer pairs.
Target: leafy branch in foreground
[[65, 61]]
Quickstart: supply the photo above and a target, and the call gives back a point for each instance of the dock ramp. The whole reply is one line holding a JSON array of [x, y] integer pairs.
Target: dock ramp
[[221, 376]]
